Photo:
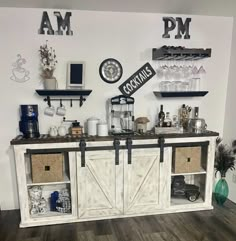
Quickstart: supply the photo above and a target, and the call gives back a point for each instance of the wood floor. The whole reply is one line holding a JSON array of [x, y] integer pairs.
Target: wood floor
[[216, 225]]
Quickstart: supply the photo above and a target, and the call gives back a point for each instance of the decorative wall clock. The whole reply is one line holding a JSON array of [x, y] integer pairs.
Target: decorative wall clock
[[110, 70]]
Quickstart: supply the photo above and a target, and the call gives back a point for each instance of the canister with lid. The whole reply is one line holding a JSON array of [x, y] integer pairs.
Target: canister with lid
[[102, 128], [92, 126]]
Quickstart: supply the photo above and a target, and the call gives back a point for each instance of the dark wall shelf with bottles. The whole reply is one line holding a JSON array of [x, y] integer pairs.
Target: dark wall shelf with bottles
[[180, 53], [180, 93], [81, 93]]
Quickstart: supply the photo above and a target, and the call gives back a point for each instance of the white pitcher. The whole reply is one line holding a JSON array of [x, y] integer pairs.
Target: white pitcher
[[62, 130], [53, 131]]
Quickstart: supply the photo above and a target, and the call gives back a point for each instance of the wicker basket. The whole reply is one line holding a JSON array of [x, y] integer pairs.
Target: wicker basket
[[47, 167], [186, 159]]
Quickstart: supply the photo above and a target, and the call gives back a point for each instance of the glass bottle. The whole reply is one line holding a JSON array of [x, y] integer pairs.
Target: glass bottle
[[167, 120], [161, 117]]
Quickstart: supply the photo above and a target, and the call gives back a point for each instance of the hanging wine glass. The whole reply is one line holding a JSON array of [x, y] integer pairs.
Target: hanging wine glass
[[201, 71]]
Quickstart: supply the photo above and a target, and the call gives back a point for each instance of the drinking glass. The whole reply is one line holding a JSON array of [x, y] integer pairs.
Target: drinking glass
[[165, 86], [185, 86], [194, 84]]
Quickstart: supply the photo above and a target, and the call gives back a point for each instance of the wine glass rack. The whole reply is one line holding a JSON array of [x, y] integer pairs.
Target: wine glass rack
[[180, 53]]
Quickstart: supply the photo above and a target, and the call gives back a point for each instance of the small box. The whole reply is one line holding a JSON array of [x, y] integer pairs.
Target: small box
[[186, 159], [47, 167]]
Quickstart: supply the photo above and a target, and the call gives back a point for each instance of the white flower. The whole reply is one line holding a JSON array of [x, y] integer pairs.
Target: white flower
[[48, 60]]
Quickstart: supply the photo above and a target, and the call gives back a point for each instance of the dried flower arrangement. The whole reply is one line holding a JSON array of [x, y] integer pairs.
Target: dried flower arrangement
[[48, 61]]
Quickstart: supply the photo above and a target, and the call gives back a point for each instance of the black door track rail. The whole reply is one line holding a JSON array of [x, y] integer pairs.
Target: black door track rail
[[116, 146]]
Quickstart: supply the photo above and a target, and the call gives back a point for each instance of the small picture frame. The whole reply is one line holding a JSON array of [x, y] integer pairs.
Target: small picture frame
[[75, 74]]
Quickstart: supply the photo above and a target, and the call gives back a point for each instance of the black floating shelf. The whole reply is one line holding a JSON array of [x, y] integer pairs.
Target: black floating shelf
[[81, 93], [63, 92], [179, 53], [180, 93]]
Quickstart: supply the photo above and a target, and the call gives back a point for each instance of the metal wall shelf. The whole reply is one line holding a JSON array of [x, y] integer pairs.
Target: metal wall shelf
[[64, 92], [180, 93], [180, 53], [81, 93]]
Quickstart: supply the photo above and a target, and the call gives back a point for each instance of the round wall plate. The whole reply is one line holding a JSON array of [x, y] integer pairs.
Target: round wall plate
[[110, 70]]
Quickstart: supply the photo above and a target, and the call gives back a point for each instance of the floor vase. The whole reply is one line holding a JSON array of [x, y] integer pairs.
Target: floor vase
[[221, 191]]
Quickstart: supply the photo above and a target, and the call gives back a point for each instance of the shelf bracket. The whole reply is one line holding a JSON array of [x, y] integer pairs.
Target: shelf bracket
[[81, 100], [48, 101]]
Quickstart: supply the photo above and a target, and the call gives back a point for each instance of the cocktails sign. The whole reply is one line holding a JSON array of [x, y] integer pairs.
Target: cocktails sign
[[137, 80]]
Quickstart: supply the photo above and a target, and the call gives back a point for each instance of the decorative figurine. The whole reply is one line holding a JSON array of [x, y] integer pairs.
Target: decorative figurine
[[42, 206], [63, 204], [37, 202], [53, 200]]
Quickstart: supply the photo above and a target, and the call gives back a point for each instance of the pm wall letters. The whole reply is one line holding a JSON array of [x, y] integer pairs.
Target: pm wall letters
[[182, 27]]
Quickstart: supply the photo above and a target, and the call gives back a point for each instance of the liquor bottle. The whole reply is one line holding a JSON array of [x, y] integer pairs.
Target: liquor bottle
[[161, 117], [167, 120]]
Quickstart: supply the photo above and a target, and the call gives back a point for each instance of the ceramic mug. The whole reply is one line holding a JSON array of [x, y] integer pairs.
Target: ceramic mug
[[50, 110], [61, 110]]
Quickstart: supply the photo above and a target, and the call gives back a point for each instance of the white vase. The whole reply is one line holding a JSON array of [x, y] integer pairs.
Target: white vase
[[50, 84]]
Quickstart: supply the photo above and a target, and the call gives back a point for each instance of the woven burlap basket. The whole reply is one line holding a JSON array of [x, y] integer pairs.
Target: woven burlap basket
[[186, 159], [47, 167]]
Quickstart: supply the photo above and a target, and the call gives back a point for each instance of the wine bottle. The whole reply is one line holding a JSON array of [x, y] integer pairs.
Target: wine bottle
[[161, 117]]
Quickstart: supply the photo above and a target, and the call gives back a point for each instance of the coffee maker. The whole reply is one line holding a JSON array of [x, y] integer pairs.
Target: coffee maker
[[29, 121]]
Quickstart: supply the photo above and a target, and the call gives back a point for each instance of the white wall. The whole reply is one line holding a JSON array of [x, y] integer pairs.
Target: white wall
[[230, 113], [128, 37]]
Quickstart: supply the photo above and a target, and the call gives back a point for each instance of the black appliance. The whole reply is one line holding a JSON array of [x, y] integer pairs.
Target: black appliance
[[29, 121]]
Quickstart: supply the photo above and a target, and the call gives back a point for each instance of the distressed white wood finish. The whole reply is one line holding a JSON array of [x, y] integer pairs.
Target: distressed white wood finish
[[205, 200], [100, 184], [142, 181], [103, 190], [20, 159]]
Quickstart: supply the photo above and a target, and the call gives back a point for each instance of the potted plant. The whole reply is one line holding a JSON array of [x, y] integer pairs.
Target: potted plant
[[224, 161], [48, 66]]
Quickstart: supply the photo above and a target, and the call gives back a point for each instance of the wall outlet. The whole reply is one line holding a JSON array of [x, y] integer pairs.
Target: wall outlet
[[234, 178]]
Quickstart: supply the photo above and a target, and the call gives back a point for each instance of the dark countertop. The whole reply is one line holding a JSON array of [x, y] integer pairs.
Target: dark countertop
[[19, 140]]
